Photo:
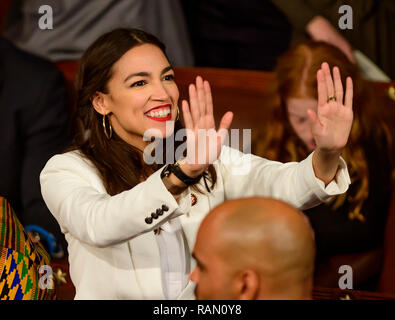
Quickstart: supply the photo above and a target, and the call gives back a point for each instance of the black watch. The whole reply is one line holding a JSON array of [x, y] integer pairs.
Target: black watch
[[176, 170]]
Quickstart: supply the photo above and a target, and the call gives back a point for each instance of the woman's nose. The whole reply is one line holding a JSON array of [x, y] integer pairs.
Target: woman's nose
[[305, 129], [159, 92]]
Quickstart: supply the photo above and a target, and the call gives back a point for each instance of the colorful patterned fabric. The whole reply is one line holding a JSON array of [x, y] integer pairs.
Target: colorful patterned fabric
[[21, 260]]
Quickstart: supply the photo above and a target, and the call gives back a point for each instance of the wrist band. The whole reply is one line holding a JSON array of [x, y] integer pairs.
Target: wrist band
[[176, 170]]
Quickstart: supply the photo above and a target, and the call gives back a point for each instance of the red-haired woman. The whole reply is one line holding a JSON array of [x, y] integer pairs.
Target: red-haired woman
[[353, 221]]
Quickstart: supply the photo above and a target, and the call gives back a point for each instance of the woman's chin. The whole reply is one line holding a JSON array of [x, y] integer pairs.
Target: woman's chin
[[160, 132]]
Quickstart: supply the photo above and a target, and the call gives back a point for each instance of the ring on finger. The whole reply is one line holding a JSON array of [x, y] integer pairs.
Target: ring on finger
[[332, 97]]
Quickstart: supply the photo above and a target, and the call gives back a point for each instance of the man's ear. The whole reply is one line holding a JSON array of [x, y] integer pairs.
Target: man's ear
[[247, 285], [99, 103]]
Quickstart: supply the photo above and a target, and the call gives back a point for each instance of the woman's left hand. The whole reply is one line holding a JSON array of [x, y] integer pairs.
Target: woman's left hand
[[331, 125]]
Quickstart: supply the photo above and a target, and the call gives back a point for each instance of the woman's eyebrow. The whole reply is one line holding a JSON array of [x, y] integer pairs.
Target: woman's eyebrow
[[137, 74], [146, 74], [168, 68]]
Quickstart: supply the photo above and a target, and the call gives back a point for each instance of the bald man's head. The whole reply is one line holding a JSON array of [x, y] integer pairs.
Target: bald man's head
[[262, 244]]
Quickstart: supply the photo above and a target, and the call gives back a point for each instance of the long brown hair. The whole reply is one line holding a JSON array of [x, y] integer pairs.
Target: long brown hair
[[120, 164], [296, 78]]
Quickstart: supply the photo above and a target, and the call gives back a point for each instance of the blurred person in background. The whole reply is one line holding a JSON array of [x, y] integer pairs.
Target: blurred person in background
[[33, 127], [354, 221], [77, 23], [237, 34], [372, 33], [24, 264]]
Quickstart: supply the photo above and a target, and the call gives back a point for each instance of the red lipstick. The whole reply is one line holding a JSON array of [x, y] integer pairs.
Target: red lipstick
[[160, 119]]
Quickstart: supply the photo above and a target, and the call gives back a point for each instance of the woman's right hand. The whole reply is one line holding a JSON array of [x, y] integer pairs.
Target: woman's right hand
[[204, 143]]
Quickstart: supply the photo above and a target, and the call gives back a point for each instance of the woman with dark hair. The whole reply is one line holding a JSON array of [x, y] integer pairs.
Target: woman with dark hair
[[353, 221], [131, 225]]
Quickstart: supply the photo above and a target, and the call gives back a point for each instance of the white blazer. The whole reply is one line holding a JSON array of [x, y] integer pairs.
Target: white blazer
[[113, 253]]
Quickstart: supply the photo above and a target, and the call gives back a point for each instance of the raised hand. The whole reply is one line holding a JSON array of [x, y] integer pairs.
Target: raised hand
[[331, 125], [200, 125]]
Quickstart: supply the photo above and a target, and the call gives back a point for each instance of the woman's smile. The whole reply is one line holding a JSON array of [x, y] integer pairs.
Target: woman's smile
[[159, 113]]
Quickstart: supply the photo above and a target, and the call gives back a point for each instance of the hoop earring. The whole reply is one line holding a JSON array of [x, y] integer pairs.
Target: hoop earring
[[108, 135], [178, 114]]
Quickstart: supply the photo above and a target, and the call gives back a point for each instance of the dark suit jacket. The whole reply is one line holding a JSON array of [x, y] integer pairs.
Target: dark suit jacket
[[33, 127]]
